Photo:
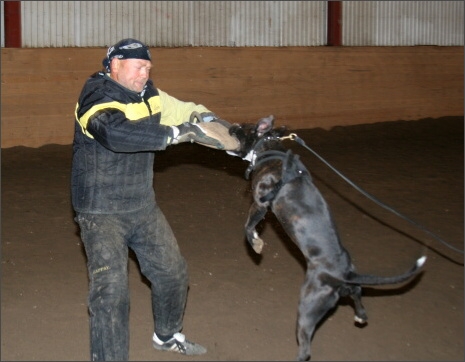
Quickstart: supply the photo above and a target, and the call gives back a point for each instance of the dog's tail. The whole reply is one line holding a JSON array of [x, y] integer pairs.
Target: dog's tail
[[366, 279]]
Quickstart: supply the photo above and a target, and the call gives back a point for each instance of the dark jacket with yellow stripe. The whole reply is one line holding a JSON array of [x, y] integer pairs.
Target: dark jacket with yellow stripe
[[116, 132]]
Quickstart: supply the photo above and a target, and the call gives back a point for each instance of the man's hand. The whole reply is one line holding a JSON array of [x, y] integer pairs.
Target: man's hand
[[220, 132], [190, 132], [207, 117], [222, 122]]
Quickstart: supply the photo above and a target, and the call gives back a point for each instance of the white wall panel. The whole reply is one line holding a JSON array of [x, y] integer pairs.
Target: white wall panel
[[238, 23], [403, 23], [2, 23], [173, 23]]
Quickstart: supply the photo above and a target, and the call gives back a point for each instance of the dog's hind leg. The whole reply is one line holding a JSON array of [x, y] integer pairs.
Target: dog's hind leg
[[360, 313], [256, 214], [355, 292], [314, 304]]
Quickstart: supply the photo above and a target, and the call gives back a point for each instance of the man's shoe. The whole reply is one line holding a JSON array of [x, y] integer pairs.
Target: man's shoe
[[178, 344]]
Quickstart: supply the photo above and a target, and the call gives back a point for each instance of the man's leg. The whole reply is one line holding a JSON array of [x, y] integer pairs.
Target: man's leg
[[161, 262], [107, 260]]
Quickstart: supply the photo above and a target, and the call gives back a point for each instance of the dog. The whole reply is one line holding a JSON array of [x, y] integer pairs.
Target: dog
[[281, 182]]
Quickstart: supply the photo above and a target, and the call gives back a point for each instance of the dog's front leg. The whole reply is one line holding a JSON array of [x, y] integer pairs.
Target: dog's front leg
[[256, 214]]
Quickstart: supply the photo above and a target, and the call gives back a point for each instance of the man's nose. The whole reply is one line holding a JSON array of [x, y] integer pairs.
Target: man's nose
[[145, 73]]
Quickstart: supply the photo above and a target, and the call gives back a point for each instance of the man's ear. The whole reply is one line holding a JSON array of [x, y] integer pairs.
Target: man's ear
[[114, 65]]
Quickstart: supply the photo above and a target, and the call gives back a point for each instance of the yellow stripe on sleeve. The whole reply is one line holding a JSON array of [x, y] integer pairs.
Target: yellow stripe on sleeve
[[132, 111]]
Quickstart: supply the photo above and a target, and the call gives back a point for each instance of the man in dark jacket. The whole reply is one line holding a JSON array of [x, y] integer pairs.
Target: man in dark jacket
[[121, 119]]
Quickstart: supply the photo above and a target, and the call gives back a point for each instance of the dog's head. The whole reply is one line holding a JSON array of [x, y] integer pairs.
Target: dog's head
[[249, 134]]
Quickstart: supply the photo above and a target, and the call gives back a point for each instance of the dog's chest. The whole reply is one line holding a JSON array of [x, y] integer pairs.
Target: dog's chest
[[265, 180]]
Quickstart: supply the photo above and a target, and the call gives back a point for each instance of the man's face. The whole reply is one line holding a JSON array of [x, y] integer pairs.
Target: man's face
[[131, 73]]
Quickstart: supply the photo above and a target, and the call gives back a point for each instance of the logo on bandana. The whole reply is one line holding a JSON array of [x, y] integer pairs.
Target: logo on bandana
[[110, 50], [132, 46]]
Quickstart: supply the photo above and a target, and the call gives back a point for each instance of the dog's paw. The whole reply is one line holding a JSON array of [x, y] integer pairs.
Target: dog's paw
[[257, 243]]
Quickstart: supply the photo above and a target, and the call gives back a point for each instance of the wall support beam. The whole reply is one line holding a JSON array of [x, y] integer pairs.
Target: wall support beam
[[334, 23], [12, 14]]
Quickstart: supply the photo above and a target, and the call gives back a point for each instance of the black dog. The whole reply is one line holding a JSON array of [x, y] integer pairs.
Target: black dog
[[282, 183]]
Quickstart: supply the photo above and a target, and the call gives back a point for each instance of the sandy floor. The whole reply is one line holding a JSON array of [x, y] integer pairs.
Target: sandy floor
[[240, 306]]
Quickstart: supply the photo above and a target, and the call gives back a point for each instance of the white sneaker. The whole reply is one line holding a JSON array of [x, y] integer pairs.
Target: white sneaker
[[178, 344]]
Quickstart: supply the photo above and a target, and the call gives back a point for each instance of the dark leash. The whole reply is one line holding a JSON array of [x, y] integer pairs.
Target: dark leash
[[294, 137]]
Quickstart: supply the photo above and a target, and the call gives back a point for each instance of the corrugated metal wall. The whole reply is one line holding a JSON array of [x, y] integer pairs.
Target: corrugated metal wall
[[174, 23], [402, 23], [238, 23]]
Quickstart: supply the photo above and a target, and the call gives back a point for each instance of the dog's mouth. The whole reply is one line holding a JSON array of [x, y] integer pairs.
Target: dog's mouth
[[233, 153]]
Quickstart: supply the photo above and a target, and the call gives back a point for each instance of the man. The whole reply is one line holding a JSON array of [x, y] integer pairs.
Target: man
[[121, 119]]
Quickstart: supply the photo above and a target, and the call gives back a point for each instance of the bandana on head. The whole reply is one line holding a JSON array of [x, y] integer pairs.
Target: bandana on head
[[126, 49]]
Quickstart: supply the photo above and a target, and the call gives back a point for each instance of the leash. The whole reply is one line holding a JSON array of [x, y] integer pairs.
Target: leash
[[294, 137]]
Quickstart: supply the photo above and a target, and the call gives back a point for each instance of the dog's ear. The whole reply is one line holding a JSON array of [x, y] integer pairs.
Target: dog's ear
[[264, 125]]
